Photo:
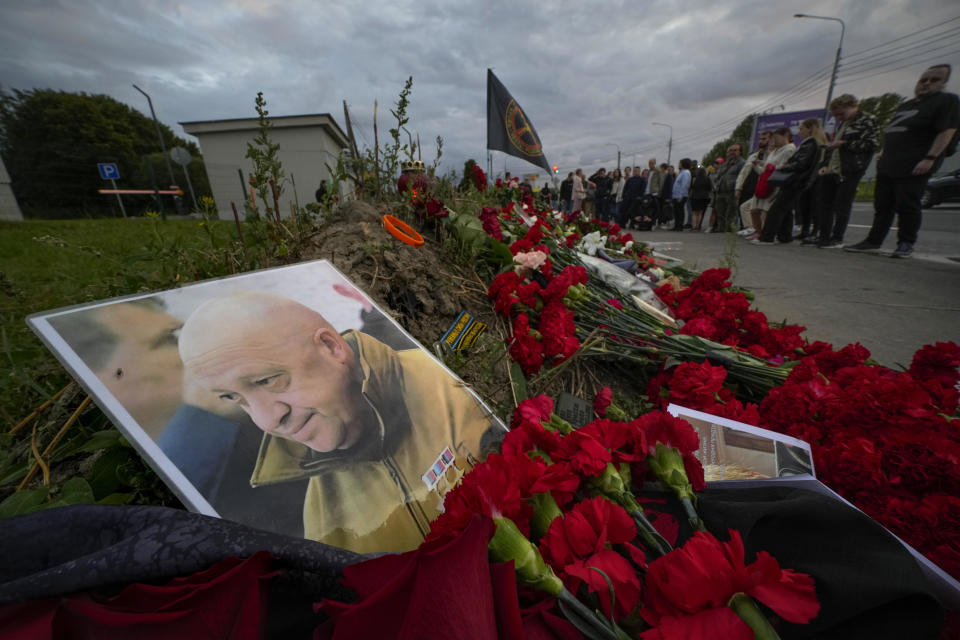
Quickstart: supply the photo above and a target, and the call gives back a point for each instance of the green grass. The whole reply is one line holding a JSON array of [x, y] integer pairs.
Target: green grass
[[865, 191], [49, 264]]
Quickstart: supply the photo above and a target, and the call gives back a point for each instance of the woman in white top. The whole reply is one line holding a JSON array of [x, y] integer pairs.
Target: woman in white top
[[579, 190], [777, 153]]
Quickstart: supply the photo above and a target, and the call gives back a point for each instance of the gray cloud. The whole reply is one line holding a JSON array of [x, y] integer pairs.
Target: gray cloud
[[587, 75]]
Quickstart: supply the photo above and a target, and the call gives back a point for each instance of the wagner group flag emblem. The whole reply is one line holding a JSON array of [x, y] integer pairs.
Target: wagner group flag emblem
[[508, 128]]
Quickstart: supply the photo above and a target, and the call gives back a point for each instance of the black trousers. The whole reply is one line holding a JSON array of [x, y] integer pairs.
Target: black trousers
[[779, 220], [897, 196], [805, 214], [679, 212], [834, 202]]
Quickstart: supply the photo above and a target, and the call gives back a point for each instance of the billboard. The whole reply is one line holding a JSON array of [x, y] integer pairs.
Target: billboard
[[791, 119]]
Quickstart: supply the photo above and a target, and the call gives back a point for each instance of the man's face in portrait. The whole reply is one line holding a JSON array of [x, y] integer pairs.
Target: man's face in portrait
[[282, 363], [132, 349]]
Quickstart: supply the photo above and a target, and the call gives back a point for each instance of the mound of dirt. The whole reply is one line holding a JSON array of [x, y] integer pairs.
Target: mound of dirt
[[418, 286]]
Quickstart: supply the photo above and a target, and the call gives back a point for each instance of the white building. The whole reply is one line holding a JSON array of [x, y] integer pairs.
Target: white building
[[308, 143], [9, 209]]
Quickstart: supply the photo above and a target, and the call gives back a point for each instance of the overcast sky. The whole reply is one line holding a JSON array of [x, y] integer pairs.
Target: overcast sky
[[587, 74]]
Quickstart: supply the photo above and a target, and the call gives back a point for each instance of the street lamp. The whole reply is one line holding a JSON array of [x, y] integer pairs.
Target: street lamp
[[163, 147], [669, 144], [614, 144], [836, 61]]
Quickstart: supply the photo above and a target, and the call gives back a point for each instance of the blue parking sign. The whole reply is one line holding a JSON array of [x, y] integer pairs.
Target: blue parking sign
[[108, 170]]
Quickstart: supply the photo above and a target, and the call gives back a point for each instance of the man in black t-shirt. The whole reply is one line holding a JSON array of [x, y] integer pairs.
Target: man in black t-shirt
[[916, 139]]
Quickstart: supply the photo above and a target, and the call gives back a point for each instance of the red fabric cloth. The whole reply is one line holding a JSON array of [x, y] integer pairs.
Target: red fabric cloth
[[226, 601], [449, 587]]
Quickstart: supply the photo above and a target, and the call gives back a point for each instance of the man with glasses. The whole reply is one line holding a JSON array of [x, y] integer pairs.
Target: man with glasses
[[917, 139]]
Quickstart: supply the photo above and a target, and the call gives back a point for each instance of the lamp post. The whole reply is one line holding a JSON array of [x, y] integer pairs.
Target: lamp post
[[163, 147], [669, 144], [614, 144], [836, 61]]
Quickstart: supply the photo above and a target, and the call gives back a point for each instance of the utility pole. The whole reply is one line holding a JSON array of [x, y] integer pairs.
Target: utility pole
[[836, 60], [670, 143], [163, 147]]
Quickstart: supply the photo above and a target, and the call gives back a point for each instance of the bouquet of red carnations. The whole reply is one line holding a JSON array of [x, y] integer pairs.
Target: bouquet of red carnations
[[562, 506]]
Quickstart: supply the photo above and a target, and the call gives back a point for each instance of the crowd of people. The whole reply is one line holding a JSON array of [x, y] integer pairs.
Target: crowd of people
[[790, 188]]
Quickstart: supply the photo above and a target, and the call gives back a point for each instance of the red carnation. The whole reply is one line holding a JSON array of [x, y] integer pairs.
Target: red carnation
[[582, 539], [705, 573], [695, 384], [602, 401], [937, 362], [525, 348]]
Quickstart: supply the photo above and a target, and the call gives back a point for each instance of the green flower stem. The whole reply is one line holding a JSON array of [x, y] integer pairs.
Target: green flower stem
[[650, 535], [599, 628], [508, 543], [692, 516], [545, 511], [612, 486], [744, 606]]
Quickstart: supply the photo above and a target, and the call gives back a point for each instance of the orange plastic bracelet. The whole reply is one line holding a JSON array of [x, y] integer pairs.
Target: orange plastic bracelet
[[402, 231]]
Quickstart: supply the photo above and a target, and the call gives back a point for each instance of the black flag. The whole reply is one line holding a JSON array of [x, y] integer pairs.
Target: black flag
[[508, 128]]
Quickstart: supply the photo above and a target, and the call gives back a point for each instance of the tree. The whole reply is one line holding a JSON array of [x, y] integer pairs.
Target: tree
[[740, 134], [883, 107], [51, 142]]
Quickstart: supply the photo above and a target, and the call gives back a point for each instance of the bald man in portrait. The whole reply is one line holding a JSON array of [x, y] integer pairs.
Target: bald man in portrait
[[381, 434]]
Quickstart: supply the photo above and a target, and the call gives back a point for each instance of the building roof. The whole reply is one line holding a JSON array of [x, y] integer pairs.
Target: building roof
[[324, 120]]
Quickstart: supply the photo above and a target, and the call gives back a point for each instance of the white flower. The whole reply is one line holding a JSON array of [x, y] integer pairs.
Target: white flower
[[627, 246], [592, 242]]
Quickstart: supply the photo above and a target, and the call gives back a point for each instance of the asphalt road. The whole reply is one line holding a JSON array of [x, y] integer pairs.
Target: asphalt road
[[890, 306]]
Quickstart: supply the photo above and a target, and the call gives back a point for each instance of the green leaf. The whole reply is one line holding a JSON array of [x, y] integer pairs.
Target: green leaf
[[23, 502], [103, 440], [519, 382], [76, 491], [117, 498], [672, 362], [500, 252], [104, 478]]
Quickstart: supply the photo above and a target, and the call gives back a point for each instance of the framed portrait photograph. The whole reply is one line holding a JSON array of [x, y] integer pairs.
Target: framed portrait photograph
[[284, 399]]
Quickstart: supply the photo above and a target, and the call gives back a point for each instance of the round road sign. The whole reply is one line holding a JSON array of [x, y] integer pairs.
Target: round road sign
[[180, 155]]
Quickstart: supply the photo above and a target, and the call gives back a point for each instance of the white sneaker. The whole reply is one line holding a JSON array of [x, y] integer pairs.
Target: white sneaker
[[746, 232]]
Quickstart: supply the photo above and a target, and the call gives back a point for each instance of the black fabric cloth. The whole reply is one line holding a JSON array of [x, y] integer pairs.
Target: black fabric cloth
[[566, 189], [88, 547], [911, 131], [897, 197], [868, 584]]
